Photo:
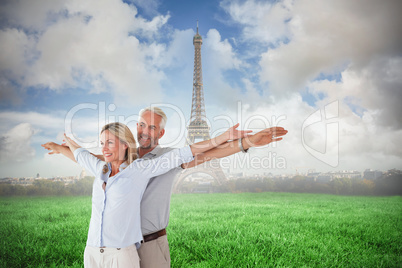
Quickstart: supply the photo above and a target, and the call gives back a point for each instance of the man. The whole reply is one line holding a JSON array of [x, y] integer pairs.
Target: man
[[155, 204]]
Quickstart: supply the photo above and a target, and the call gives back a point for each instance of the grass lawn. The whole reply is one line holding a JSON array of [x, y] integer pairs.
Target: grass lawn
[[221, 230]]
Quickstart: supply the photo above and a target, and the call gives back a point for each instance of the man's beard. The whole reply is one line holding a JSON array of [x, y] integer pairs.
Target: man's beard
[[152, 143], [147, 146]]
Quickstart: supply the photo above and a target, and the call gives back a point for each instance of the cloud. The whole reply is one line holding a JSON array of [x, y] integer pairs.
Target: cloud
[[15, 46], [322, 41], [333, 51], [101, 46], [176, 53], [220, 52], [261, 22], [309, 38], [149, 6], [48, 127], [362, 144], [220, 62], [34, 118], [33, 16], [16, 144], [373, 90]]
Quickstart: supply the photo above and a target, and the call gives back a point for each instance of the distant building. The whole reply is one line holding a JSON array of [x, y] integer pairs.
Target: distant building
[[323, 177], [83, 173], [268, 174], [312, 174], [346, 174], [329, 176], [370, 174], [238, 174]]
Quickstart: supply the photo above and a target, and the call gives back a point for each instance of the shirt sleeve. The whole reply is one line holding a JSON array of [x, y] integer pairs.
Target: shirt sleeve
[[162, 164], [87, 160]]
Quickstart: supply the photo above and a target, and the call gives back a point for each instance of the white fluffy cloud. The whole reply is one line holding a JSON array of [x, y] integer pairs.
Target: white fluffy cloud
[[100, 45], [16, 144], [219, 52], [315, 37], [358, 43], [30, 15], [262, 21], [218, 57], [324, 36], [373, 90], [48, 127]]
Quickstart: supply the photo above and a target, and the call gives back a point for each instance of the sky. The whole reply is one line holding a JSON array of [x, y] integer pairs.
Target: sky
[[330, 72]]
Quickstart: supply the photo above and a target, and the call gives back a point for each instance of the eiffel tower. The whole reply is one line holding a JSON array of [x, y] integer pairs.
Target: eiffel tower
[[198, 128]]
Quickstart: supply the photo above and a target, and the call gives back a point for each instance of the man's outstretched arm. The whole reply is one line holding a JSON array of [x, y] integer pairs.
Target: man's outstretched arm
[[261, 138], [231, 134]]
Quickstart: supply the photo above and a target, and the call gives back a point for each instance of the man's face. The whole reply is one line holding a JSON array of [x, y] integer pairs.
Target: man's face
[[148, 130]]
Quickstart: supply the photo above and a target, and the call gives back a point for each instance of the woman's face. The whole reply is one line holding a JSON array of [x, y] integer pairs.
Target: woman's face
[[112, 148]]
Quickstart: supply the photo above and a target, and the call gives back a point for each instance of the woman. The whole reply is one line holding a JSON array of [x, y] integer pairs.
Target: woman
[[114, 232]]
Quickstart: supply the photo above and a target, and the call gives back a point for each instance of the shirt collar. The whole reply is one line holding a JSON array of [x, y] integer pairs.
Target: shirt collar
[[153, 153], [122, 166]]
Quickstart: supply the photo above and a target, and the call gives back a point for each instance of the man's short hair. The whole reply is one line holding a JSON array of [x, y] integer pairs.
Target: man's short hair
[[157, 111]]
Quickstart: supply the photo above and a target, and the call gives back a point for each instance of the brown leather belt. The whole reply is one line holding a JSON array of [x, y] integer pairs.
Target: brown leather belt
[[154, 236]]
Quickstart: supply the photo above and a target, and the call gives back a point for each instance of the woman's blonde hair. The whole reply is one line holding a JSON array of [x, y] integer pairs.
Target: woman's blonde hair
[[124, 134]]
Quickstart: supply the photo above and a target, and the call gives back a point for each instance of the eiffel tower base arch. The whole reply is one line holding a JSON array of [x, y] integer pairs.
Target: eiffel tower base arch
[[211, 168]]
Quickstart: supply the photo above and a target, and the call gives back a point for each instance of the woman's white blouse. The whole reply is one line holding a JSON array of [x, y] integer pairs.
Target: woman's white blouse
[[115, 220]]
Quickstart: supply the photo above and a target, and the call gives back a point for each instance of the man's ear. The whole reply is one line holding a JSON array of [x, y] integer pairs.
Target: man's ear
[[161, 133]]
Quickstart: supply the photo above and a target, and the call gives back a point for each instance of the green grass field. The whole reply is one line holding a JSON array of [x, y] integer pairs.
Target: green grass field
[[221, 230]]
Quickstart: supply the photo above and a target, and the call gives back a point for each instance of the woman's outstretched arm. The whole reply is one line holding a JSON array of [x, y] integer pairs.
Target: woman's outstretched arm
[[55, 148], [67, 151]]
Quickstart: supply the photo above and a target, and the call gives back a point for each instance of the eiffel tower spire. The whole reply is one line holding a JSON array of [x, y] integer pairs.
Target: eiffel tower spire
[[198, 127]]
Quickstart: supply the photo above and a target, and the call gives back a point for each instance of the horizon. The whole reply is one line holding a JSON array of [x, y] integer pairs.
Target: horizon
[[296, 173]]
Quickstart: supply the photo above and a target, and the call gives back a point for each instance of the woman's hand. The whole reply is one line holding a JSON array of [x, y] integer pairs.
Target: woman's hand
[[55, 148], [233, 134], [52, 147], [70, 143]]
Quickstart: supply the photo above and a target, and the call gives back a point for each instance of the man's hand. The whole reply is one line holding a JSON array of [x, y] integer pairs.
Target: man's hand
[[264, 137], [261, 138], [234, 134]]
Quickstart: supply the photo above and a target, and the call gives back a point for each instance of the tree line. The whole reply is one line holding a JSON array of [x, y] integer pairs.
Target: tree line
[[43, 187], [389, 183]]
